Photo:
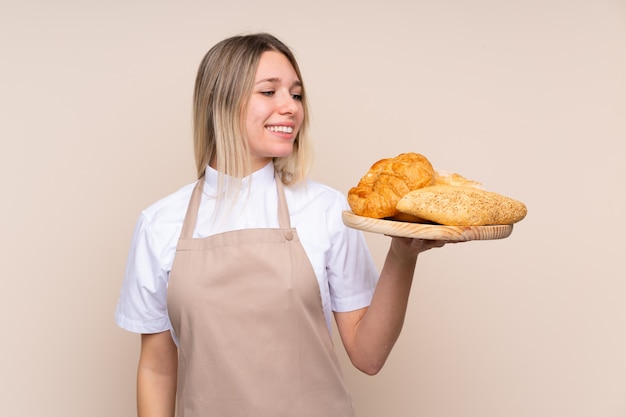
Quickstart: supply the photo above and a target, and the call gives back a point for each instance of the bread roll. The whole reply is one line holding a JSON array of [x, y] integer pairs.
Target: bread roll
[[452, 178], [461, 206], [380, 189]]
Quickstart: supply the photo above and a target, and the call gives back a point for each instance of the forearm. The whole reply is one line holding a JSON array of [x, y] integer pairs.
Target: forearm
[[156, 376], [379, 328], [156, 394], [369, 334]]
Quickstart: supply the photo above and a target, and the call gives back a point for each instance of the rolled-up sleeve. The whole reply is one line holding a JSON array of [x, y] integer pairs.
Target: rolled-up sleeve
[[352, 275], [141, 306]]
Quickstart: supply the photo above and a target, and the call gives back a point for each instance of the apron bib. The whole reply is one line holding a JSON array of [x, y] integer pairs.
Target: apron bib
[[253, 341]]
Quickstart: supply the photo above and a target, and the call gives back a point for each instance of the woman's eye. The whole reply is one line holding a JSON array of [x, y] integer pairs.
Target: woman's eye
[[297, 97], [268, 93]]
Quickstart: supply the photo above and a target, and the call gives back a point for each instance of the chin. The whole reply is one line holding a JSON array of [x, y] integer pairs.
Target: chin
[[283, 152]]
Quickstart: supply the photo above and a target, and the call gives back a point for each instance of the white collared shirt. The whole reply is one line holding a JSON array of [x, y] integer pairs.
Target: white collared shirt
[[341, 260]]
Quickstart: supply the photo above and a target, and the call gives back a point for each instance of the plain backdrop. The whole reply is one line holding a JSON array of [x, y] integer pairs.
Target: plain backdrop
[[528, 97]]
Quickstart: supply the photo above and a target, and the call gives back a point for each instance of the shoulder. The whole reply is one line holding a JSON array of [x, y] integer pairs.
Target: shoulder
[[316, 195], [159, 224], [170, 209], [318, 208]]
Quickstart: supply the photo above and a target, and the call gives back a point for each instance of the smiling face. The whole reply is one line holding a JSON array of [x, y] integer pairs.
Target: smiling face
[[274, 112]]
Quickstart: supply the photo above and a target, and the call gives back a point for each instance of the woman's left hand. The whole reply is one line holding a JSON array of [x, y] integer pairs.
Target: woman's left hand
[[404, 246]]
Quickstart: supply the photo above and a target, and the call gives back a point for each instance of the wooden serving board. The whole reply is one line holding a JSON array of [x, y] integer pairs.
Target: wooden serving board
[[426, 231]]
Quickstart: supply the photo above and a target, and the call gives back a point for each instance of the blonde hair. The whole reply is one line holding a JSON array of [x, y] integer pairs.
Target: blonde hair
[[223, 87]]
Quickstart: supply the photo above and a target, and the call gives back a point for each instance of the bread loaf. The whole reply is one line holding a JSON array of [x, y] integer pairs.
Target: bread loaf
[[461, 206]]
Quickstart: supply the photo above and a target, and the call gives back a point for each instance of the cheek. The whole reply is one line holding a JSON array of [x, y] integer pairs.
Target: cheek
[[256, 113], [300, 115]]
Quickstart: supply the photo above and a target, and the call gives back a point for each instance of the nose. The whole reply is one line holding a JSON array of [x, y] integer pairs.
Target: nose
[[288, 104]]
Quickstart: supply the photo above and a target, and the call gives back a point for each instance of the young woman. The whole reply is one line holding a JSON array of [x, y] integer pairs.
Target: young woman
[[233, 281]]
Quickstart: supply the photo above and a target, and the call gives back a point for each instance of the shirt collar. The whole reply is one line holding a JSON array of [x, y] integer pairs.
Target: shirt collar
[[260, 179]]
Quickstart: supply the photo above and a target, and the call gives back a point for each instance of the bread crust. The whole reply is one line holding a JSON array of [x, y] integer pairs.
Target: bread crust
[[388, 180], [461, 206]]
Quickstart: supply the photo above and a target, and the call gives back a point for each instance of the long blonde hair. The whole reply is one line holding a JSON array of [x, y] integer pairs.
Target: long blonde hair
[[223, 87]]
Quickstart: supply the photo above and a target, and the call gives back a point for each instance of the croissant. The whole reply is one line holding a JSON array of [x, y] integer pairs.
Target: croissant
[[387, 181]]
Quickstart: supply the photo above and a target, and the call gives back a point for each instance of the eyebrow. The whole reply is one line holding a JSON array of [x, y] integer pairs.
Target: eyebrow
[[296, 83]]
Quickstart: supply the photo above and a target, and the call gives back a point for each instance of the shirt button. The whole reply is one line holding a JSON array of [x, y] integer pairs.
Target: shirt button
[[289, 235]]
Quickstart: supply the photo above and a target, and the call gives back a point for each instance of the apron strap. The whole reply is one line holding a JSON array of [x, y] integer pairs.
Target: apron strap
[[283, 211], [192, 210]]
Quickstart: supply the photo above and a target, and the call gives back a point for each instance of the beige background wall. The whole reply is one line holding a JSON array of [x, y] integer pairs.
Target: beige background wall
[[526, 96]]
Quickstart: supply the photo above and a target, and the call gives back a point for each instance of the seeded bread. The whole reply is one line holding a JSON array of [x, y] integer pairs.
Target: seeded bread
[[461, 206]]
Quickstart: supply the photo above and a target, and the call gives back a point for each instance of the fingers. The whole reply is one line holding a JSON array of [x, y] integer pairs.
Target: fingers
[[428, 244], [410, 245]]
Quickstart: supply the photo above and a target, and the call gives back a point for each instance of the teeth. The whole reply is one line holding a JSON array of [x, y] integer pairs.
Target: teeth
[[283, 129]]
